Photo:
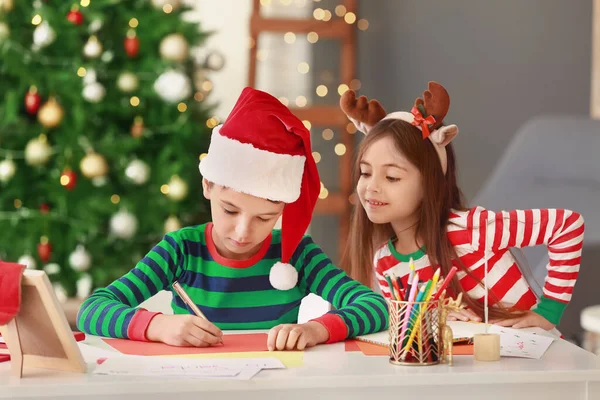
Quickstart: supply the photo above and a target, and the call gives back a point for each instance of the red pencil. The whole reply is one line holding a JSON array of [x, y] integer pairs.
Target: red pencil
[[445, 283]]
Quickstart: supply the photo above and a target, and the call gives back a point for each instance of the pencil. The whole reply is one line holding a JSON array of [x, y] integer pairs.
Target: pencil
[[186, 299]]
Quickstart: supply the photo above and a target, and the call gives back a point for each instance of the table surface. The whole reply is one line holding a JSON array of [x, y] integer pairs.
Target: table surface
[[325, 366]]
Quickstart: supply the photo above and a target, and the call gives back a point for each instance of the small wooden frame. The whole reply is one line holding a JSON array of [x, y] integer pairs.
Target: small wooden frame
[[39, 336]]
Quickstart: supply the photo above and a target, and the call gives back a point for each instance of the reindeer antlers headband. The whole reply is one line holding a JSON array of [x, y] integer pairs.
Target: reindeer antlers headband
[[427, 115]]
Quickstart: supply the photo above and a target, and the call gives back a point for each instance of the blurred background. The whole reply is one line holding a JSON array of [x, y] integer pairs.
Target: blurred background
[[107, 105]]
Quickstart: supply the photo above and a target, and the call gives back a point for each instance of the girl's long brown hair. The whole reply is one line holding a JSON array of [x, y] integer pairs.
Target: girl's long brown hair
[[441, 195]]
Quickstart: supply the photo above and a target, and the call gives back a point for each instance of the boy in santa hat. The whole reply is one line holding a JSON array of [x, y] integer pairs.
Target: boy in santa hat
[[240, 271]]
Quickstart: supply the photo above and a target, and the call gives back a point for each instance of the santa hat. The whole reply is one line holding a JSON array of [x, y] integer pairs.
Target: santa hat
[[263, 150]]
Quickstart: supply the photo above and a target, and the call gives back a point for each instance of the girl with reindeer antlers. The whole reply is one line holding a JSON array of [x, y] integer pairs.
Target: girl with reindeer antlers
[[412, 208]]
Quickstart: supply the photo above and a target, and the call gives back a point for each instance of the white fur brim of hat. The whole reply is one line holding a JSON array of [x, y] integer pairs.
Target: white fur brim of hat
[[247, 169]]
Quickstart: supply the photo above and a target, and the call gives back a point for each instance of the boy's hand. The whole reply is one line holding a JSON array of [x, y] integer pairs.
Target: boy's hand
[[296, 336], [527, 320], [183, 330], [463, 315]]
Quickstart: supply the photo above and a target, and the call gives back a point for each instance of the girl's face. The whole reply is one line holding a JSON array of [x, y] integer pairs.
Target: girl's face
[[241, 222], [390, 188]]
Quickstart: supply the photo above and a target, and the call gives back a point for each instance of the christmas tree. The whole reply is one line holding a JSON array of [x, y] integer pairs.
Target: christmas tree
[[103, 118]]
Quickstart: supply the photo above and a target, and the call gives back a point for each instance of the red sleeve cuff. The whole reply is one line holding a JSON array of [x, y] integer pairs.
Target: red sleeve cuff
[[139, 323], [335, 325]]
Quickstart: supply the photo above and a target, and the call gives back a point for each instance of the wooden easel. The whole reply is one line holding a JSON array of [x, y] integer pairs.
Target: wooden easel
[[320, 115], [39, 336]]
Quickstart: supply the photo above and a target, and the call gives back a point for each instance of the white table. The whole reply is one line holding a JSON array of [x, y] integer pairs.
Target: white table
[[565, 372]]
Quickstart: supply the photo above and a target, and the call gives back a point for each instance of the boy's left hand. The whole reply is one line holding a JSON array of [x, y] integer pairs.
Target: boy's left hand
[[527, 320], [296, 336]]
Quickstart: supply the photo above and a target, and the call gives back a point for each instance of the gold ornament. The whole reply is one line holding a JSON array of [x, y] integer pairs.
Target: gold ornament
[[93, 165], [93, 47], [38, 151], [178, 188], [51, 113], [7, 5], [172, 224], [174, 47], [137, 129]]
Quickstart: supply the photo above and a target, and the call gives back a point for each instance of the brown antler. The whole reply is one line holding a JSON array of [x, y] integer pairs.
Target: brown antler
[[436, 103], [361, 111]]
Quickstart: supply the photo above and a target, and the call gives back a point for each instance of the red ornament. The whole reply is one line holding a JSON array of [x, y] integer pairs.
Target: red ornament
[[131, 44], [44, 249], [68, 179], [44, 208], [75, 16], [32, 100]]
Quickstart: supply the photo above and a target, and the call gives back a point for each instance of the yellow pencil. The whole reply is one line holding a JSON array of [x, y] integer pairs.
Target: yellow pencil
[[436, 277]]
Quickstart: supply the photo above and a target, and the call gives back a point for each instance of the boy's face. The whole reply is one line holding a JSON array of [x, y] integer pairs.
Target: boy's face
[[241, 222]]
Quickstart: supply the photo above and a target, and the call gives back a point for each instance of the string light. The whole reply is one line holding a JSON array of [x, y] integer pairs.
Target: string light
[[327, 134], [84, 3], [363, 24], [115, 199], [202, 156], [289, 37], [134, 101], [327, 16], [164, 189], [317, 156], [303, 67], [355, 84], [212, 122], [37, 19], [18, 203], [199, 96], [181, 107], [342, 89], [207, 86], [261, 55], [301, 101], [351, 128], [312, 37], [167, 9], [65, 180], [340, 149], [307, 124], [133, 23], [350, 18], [81, 71], [319, 14], [322, 90], [340, 10], [324, 193]]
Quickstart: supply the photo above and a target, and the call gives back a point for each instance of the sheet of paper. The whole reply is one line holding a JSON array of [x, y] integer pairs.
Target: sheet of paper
[[160, 366], [92, 354], [259, 361], [289, 358], [517, 343], [232, 344]]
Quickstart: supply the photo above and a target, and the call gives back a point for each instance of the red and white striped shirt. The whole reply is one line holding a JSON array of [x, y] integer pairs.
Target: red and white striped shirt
[[478, 234]]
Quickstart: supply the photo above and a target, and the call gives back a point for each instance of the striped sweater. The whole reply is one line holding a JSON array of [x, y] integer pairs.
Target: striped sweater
[[479, 234], [233, 294]]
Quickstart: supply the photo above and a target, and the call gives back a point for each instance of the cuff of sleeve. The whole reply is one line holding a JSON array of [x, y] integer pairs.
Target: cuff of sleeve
[[139, 323], [335, 325], [550, 309]]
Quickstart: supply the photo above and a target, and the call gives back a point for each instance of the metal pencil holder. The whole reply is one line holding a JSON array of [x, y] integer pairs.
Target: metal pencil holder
[[414, 333]]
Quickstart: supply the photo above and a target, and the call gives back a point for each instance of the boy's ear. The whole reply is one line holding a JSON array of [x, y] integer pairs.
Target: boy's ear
[[206, 188]]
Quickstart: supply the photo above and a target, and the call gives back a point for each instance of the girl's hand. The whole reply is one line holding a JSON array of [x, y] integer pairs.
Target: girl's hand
[[465, 315], [183, 330], [296, 336], [527, 320]]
